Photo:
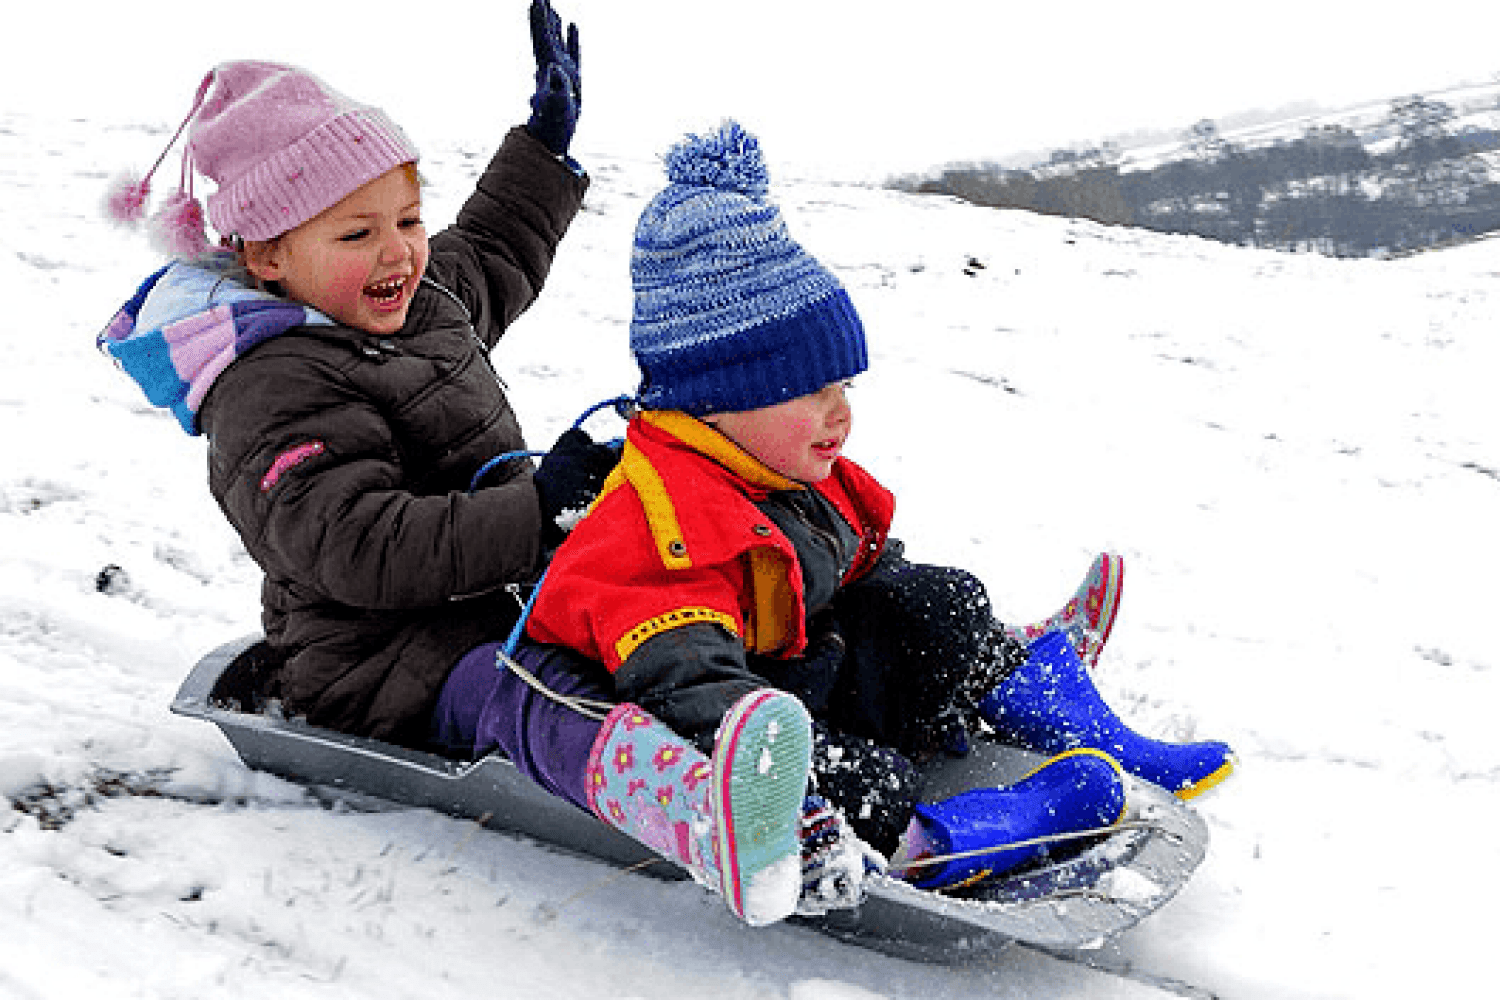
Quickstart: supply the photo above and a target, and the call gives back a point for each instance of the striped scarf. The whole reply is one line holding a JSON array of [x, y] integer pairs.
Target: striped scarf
[[187, 323]]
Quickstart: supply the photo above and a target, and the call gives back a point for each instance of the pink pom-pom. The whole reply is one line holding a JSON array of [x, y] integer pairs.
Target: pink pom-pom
[[125, 201], [177, 227]]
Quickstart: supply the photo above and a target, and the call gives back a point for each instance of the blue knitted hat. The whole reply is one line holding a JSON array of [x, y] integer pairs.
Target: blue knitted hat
[[730, 312]]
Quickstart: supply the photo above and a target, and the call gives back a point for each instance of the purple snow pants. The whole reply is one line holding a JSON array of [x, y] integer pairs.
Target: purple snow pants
[[484, 705]]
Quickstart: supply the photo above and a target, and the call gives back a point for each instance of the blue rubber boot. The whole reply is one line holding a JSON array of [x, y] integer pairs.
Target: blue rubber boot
[[1075, 792], [1050, 705]]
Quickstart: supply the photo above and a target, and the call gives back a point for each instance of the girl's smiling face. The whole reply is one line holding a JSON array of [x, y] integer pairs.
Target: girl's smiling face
[[800, 438], [358, 262]]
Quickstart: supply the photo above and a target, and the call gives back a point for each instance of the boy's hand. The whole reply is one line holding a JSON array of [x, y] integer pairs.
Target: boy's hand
[[559, 84]]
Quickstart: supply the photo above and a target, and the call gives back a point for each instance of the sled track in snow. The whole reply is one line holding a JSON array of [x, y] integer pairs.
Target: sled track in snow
[[54, 806]]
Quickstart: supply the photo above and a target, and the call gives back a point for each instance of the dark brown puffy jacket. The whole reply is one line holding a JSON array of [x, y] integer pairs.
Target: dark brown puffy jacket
[[344, 460]]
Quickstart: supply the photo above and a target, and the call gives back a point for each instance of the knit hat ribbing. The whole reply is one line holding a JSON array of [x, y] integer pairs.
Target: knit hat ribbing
[[281, 145], [730, 312]]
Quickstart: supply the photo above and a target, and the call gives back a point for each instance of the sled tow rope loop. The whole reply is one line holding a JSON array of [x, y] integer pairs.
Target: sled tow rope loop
[[624, 406], [514, 639], [489, 466]]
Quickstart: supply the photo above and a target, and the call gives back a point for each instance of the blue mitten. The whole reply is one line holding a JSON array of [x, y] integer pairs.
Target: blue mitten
[[559, 85]]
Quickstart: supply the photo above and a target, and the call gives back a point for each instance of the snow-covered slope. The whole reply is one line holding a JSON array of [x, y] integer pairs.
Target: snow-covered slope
[[1299, 458]]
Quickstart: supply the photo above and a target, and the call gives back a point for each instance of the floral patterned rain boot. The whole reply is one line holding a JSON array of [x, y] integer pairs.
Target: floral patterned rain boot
[[733, 821], [1089, 616]]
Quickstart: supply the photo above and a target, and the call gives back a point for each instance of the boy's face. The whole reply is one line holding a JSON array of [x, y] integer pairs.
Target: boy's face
[[799, 438], [358, 262]]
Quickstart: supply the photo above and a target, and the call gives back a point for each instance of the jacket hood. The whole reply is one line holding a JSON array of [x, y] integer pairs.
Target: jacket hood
[[187, 322]]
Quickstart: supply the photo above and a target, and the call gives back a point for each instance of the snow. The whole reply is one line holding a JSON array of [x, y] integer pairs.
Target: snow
[[1298, 457], [771, 893]]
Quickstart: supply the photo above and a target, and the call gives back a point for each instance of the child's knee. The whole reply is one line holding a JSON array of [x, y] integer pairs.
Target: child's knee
[[876, 787]]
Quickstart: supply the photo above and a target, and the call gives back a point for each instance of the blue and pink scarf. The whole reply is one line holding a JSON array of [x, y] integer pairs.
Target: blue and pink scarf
[[187, 323]]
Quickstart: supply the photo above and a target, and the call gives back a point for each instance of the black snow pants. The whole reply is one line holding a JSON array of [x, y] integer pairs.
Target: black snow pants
[[892, 675]]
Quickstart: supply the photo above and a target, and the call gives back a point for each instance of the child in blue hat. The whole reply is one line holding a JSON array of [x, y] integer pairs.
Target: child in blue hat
[[735, 547]]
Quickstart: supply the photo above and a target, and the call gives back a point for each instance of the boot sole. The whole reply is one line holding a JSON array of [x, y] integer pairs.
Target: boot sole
[[1113, 574], [761, 762]]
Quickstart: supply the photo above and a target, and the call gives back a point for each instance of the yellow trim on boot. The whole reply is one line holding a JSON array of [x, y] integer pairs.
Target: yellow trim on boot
[[1075, 752], [1197, 788], [975, 879], [1090, 751]]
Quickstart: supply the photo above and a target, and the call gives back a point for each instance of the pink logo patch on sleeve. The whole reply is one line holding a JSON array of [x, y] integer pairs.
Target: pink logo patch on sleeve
[[288, 459]]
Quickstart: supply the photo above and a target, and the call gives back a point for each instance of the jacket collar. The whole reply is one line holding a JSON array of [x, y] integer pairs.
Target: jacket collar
[[689, 519], [707, 441]]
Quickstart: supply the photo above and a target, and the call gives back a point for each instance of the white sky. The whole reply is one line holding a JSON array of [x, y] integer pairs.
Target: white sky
[[833, 87]]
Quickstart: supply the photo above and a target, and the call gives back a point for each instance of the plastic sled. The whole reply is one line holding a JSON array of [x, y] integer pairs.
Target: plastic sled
[[1078, 900]]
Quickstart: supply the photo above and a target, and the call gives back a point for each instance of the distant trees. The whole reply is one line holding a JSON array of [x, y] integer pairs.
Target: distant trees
[[1432, 167], [1071, 184], [1414, 182], [1423, 127], [1206, 143]]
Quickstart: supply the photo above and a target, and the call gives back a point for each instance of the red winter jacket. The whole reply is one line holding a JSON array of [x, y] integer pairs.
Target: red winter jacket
[[678, 572]]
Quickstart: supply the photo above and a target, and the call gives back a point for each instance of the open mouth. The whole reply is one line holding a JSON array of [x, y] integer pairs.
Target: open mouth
[[386, 294]]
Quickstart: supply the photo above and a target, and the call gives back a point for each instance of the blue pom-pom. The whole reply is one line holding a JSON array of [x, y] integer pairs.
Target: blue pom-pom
[[729, 159]]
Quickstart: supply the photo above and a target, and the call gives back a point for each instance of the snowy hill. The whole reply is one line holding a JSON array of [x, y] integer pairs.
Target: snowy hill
[[1299, 458], [1475, 106]]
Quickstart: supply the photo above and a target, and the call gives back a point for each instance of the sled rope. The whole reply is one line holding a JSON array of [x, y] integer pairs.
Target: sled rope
[[623, 405], [587, 707], [478, 824], [505, 655], [514, 639], [600, 885], [1051, 838], [509, 456]]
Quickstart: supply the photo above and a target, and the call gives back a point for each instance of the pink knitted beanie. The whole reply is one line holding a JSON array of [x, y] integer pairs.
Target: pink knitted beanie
[[281, 145]]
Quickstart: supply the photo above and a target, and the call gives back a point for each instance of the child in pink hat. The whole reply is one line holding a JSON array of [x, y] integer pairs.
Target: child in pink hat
[[337, 359]]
